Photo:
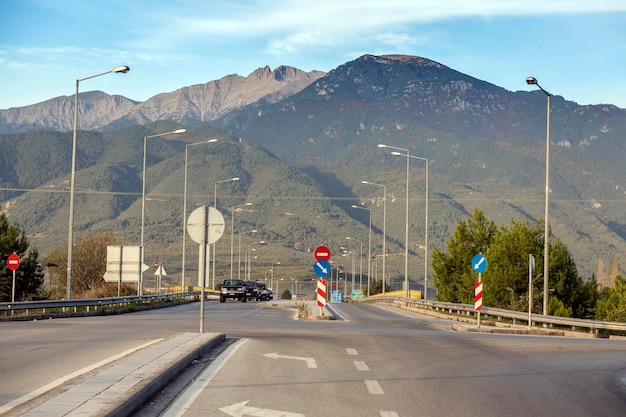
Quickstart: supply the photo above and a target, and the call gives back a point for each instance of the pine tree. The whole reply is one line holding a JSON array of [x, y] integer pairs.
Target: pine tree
[[29, 275]]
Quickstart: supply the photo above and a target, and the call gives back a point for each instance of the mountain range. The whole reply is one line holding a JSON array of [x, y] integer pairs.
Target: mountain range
[[303, 142]]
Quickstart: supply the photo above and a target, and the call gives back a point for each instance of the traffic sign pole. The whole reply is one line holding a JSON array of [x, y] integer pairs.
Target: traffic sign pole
[[479, 264], [13, 262]]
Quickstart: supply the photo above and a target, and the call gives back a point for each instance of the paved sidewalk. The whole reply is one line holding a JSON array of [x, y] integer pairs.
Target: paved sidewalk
[[119, 389]]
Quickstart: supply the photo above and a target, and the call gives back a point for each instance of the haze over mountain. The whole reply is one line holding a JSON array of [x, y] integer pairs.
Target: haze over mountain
[[485, 146]]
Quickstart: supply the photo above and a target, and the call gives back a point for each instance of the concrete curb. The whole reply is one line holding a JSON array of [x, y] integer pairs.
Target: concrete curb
[[126, 405], [120, 389]]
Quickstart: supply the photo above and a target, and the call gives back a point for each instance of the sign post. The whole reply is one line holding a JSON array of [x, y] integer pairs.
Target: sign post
[[13, 262], [531, 271], [322, 269], [479, 264], [321, 295], [205, 226]]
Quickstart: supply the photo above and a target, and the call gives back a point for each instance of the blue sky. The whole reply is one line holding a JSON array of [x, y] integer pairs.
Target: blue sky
[[575, 48]]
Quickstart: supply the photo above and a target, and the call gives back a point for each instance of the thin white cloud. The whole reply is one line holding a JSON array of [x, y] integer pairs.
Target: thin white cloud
[[289, 27]]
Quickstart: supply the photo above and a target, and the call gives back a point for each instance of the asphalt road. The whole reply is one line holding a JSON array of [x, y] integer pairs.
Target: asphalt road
[[381, 362]]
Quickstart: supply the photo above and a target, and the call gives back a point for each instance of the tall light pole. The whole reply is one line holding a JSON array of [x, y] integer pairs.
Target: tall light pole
[[425, 224], [215, 205], [360, 264], [369, 246], [232, 234], [272, 276], [546, 258], [143, 197], [239, 252], [182, 277], [70, 238], [384, 225], [406, 224]]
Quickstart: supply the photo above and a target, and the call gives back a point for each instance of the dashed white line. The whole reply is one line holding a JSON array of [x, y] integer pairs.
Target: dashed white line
[[352, 352], [373, 387], [361, 366], [388, 414]]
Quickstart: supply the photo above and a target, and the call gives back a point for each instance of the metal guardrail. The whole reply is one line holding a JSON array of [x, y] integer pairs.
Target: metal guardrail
[[593, 326], [27, 308]]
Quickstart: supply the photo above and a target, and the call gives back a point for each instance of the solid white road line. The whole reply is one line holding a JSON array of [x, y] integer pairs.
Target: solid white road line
[[178, 408]]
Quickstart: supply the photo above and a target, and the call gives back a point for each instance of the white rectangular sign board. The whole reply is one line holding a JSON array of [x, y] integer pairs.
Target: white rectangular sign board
[[123, 263]]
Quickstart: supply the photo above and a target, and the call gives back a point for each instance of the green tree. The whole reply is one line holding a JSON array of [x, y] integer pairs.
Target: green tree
[[452, 272], [613, 308], [89, 264], [564, 281], [29, 275], [557, 308], [376, 287], [506, 278]]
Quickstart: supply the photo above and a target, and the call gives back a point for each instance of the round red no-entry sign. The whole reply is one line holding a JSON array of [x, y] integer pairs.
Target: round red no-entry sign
[[321, 253], [13, 261]]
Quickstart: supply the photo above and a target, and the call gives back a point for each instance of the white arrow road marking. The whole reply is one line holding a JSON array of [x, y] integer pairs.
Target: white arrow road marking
[[241, 409], [319, 265], [310, 362], [479, 263]]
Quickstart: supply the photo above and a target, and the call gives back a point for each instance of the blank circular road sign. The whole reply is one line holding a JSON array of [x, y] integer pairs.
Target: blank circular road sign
[[205, 220]]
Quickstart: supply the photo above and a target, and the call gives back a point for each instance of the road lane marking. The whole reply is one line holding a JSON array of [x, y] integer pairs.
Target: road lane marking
[[26, 398], [179, 407], [310, 362], [361, 366], [241, 409], [352, 352], [388, 414], [373, 387]]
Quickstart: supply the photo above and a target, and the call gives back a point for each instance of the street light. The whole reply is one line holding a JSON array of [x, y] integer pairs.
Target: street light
[[533, 81], [70, 238], [369, 246], [182, 277], [425, 224], [215, 205], [239, 251], [406, 224], [232, 234], [384, 225], [143, 196], [360, 264], [272, 276]]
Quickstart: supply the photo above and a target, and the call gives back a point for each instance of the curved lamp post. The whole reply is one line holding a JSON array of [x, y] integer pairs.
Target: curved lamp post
[[406, 224], [232, 234], [360, 264], [182, 278], [425, 224], [533, 81], [143, 197], [384, 225], [70, 238], [369, 247], [215, 205]]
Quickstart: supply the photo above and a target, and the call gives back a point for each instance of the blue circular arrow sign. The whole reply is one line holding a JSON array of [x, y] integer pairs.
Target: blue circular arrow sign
[[321, 268], [479, 263]]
